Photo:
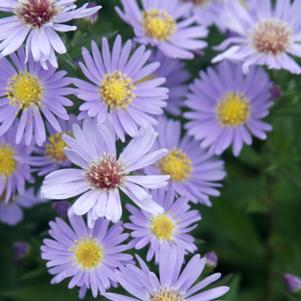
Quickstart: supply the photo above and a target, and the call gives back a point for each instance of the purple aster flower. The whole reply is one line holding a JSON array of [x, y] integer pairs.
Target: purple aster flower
[[177, 281], [165, 25], [102, 174], [292, 283], [14, 166], [89, 257], [36, 23], [176, 80], [119, 88], [211, 259], [227, 107], [193, 172], [168, 229], [265, 35], [28, 91], [12, 213], [51, 155]]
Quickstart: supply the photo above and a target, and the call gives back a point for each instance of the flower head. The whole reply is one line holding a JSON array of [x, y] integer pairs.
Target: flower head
[[265, 35], [177, 281], [120, 89], [28, 91], [292, 283], [227, 107], [102, 174], [168, 229], [89, 257], [165, 26], [193, 172], [36, 23]]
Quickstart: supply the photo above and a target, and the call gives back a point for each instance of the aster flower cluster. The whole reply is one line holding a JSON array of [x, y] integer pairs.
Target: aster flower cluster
[[131, 140]]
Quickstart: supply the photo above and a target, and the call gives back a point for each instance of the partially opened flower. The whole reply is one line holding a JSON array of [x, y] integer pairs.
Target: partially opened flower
[[165, 25], [227, 107], [193, 172], [35, 23], [51, 156], [15, 169], [28, 91], [102, 173], [177, 281], [12, 213], [89, 257], [120, 87], [169, 229], [265, 35]]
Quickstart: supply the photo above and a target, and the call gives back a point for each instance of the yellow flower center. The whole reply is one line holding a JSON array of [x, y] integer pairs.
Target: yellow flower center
[[158, 24], [162, 227], [88, 253], [177, 165], [271, 37], [117, 90], [233, 110], [24, 90], [8, 164], [166, 295], [55, 148]]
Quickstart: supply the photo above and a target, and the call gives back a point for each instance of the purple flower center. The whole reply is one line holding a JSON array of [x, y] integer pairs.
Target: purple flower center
[[37, 13], [105, 174]]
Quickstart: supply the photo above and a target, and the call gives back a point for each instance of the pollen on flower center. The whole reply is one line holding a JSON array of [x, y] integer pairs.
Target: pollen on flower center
[[162, 227], [36, 13], [117, 90], [24, 90], [158, 24], [177, 165], [233, 110], [271, 37], [166, 294], [105, 174], [8, 164], [55, 147], [88, 253]]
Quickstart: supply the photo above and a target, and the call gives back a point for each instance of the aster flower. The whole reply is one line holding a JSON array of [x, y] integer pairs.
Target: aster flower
[[292, 283], [51, 155], [89, 257], [119, 88], [176, 80], [165, 25], [36, 23], [193, 172], [227, 107], [12, 213], [14, 166], [102, 174], [266, 35], [177, 281], [28, 91], [166, 230]]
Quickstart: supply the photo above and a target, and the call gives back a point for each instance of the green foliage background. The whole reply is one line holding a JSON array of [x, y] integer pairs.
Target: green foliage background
[[254, 226]]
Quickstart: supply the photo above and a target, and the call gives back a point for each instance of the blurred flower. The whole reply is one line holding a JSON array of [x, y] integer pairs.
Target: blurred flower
[[20, 250], [168, 229], [94, 17], [102, 174], [36, 22], [61, 208], [89, 257], [211, 259], [292, 283], [51, 156], [227, 107], [115, 91], [176, 80], [12, 213], [166, 26], [27, 90], [193, 172], [276, 92], [265, 35], [177, 280]]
